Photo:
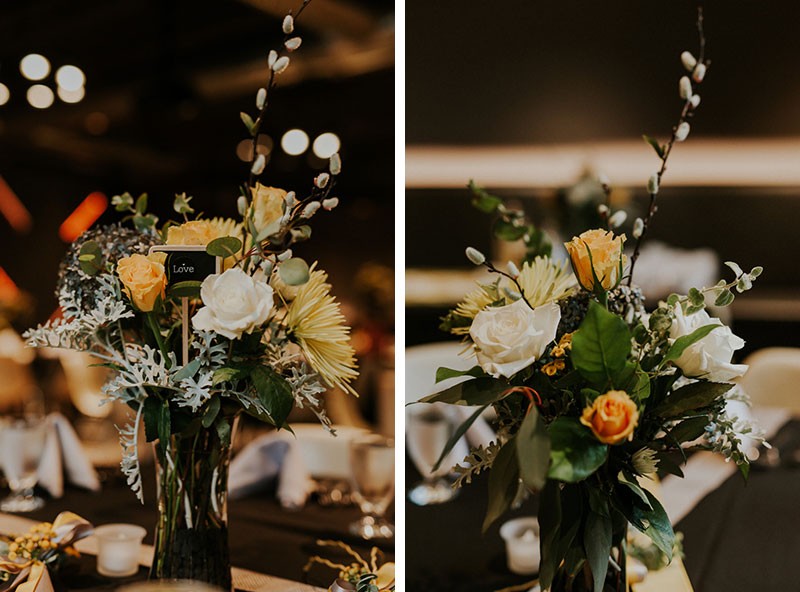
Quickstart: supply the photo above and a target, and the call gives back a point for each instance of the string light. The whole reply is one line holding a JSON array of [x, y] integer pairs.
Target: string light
[[34, 66], [70, 78], [326, 145], [295, 142], [40, 96]]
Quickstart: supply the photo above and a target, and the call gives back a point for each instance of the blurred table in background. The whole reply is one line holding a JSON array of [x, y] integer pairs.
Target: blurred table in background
[[739, 537], [264, 537]]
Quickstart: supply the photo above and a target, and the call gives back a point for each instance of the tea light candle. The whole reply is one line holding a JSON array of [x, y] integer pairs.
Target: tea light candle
[[521, 536], [118, 549]]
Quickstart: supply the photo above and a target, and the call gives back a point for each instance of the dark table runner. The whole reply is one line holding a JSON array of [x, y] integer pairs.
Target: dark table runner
[[263, 536], [740, 537]]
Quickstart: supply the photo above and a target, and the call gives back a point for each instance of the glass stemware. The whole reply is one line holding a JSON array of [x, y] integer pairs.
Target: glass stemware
[[22, 441], [372, 464], [427, 433]]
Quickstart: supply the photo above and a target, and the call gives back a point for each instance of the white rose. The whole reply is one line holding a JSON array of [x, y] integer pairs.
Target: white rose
[[235, 303], [512, 337], [709, 358]]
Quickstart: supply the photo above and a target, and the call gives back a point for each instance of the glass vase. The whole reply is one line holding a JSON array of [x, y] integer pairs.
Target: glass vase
[[191, 540]]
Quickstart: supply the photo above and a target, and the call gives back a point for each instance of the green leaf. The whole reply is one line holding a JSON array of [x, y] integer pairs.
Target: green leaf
[[274, 393], [696, 297], [229, 374], [445, 373], [483, 200], [90, 258], [224, 432], [141, 204], [248, 122], [212, 409], [724, 298], [549, 526], [574, 451], [479, 391], [601, 346], [689, 429], [634, 381], [597, 543], [696, 395], [509, 231], [164, 427], [187, 371], [152, 409], [656, 146], [224, 246], [186, 289], [457, 435], [682, 343], [634, 488], [503, 483], [657, 524], [294, 271], [146, 222], [533, 450]]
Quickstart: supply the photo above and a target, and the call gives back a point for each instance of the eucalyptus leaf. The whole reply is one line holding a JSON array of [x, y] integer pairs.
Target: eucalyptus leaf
[[294, 271], [186, 289], [724, 298], [210, 414], [141, 204], [224, 246], [248, 122], [689, 429], [655, 145], [90, 258], [549, 526], [188, 370]]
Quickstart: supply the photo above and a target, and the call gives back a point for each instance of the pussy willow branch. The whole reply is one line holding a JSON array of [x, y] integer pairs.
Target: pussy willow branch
[[686, 112], [271, 83]]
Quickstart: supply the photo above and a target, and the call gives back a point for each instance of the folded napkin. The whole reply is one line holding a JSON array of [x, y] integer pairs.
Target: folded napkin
[[64, 453], [271, 458]]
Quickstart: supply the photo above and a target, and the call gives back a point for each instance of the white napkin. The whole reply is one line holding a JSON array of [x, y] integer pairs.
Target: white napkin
[[63, 453], [271, 457]]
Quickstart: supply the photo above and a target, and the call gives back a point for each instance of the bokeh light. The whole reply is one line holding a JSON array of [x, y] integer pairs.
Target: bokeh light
[[34, 66], [40, 96], [295, 142], [70, 78], [326, 145]]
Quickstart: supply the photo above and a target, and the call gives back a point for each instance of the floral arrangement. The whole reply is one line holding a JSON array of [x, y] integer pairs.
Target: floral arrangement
[[361, 575], [255, 330], [265, 334], [27, 557], [591, 391]]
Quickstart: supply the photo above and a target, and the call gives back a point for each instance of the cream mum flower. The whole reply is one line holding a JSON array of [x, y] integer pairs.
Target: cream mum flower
[[316, 321]]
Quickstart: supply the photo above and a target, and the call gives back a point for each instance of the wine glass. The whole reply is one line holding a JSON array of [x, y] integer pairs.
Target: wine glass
[[22, 440], [372, 465], [427, 433]]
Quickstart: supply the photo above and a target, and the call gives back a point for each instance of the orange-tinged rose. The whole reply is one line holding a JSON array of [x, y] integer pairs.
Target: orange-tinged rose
[[267, 207], [144, 280], [196, 232], [612, 417], [606, 258]]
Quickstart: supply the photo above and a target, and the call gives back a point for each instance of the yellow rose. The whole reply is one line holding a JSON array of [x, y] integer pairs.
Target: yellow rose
[[267, 206], [144, 280], [612, 417], [196, 232], [607, 258]]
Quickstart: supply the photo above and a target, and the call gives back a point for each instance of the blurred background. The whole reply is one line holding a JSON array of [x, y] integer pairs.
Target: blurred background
[[98, 98], [533, 100]]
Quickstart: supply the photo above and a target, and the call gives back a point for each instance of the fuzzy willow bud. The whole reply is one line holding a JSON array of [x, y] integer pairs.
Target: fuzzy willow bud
[[513, 270], [638, 228], [688, 61], [699, 73], [475, 256], [618, 218], [652, 184], [682, 132], [293, 43], [261, 98], [258, 165], [335, 164], [288, 24], [281, 64], [330, 203], [685, 88], [695, 101]]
